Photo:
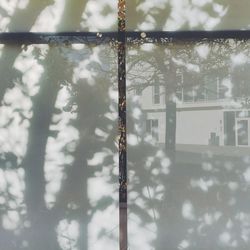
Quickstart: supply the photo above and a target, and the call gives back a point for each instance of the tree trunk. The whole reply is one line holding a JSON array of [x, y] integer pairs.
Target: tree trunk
[[42, 234], [167, 225], [170, 132], [42, 231], [75, 191]]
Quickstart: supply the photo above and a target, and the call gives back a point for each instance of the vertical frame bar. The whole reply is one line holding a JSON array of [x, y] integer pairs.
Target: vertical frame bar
[[123, 238]]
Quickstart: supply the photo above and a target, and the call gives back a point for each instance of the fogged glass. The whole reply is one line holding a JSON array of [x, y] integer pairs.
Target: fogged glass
[[57, 15], [188, 145], [58, 149], [172, 15]]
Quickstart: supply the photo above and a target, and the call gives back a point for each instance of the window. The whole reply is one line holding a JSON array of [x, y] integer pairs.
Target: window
[[179, 87], [73, 126], [138, 91], [152, 128], [211, 83], [222, 89], [156, 94], [242, 132], [188, 94]]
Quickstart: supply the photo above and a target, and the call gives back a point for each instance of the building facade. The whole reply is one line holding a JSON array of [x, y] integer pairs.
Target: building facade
[[201, 118]]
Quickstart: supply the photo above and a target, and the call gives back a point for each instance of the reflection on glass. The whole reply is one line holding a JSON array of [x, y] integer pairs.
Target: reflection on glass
[[242, 132], [171, 15], [58, 154], [57, 15], [188, 156]]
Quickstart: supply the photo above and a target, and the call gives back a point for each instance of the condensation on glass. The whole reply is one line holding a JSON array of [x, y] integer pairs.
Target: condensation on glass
[[57, 15], [58, 149], [188, 149], [173, 15]]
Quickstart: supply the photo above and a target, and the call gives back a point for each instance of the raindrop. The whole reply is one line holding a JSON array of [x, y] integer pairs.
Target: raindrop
[[99, 34], [143, 35]]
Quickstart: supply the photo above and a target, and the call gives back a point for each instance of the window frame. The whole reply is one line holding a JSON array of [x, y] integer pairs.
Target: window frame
[[121, 37]]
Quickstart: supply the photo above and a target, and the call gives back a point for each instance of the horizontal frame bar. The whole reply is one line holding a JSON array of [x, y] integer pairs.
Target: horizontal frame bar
[[56, 38], [106, 37], [189, 35]]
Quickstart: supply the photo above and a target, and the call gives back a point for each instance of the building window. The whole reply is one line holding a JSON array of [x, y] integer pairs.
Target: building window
[[242, 132], [211, 86], [156, 94], [138, 91], [152, 128], [200, 92], [188, 95], [179, 81]]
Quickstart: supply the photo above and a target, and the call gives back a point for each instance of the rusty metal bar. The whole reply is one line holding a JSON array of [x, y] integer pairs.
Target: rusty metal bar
[[57, 38], [106, 37], [157, 36], [123, 232]]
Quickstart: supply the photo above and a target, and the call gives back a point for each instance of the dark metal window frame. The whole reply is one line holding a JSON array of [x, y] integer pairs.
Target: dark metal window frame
[[26, 38], [121, 37]]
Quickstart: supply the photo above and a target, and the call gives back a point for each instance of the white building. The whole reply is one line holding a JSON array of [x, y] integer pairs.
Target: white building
[[203, 119]]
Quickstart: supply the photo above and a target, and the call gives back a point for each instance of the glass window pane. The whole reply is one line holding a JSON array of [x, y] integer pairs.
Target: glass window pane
[[188, 184], [156, 94], [57, 15], [242, 132], [58, 153], [171, 15]]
